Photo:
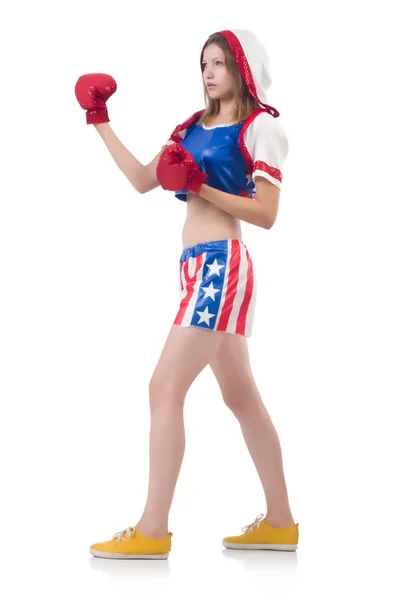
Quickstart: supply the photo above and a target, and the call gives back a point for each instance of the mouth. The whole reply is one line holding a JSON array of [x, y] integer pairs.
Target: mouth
[[210, 86]]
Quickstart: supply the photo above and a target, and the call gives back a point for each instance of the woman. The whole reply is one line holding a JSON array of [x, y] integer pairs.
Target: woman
[[226, 163]]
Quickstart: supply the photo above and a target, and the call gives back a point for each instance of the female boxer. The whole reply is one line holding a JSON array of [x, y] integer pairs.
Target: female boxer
[[226, 163]]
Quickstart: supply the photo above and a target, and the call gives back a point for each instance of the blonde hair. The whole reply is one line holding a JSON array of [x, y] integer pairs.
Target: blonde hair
[[245, 104]]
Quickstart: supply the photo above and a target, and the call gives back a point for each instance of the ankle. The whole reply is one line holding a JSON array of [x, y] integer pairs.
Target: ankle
[[280, 524], [152, 530], [278, 521]]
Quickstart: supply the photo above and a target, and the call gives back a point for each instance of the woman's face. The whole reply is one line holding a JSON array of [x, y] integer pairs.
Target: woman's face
[[215, 74]]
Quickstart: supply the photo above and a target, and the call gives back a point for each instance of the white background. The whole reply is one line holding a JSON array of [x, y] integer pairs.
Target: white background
[[89, 289]]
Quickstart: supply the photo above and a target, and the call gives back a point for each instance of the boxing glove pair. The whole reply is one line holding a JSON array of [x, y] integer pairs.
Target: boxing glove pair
[[176, 169]]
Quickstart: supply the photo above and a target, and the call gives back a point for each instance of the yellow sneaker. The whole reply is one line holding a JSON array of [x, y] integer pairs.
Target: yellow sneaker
[[261, 536], [129, 543]]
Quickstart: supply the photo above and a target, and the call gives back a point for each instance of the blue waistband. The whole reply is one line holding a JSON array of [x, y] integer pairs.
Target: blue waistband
[[194, 251]]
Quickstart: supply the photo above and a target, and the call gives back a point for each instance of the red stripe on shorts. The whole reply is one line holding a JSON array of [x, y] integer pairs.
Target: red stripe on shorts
[[231, 286], [190, 281], [242, 316]]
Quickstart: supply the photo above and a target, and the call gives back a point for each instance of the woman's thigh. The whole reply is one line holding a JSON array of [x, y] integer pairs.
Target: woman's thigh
[[186, 353], [232, 369]]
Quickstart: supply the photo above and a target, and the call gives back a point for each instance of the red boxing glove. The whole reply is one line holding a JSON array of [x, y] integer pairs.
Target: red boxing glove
[[92, 91], [177, 170]]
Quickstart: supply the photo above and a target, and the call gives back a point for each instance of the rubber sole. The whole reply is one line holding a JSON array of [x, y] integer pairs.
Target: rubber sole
[[100, 554], [282, 547]]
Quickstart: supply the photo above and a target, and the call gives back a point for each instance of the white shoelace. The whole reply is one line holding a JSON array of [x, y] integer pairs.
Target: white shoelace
[[120, 534], [257, 521]]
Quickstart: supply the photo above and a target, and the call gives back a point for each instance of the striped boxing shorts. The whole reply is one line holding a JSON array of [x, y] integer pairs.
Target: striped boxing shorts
[[217, 287]]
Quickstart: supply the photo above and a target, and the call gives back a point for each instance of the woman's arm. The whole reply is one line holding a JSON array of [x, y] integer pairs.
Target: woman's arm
[[142, 177]]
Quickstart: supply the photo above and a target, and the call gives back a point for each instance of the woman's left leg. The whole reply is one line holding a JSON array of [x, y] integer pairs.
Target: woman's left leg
[[232, 369]]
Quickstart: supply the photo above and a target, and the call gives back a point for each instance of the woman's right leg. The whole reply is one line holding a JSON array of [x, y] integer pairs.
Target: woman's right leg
[[186, 352]]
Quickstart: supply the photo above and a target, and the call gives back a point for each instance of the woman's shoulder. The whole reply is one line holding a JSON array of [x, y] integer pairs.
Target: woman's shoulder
[[264, 122]]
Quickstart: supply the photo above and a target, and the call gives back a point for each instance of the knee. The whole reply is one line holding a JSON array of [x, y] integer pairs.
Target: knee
[[163, 392], [162, 384], [241, 404], [234, 402]]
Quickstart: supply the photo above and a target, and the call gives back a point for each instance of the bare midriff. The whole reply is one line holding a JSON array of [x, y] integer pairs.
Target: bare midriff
[[206, 222]]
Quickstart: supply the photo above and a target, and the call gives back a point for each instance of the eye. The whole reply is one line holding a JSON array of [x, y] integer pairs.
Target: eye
[[218, 62]]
